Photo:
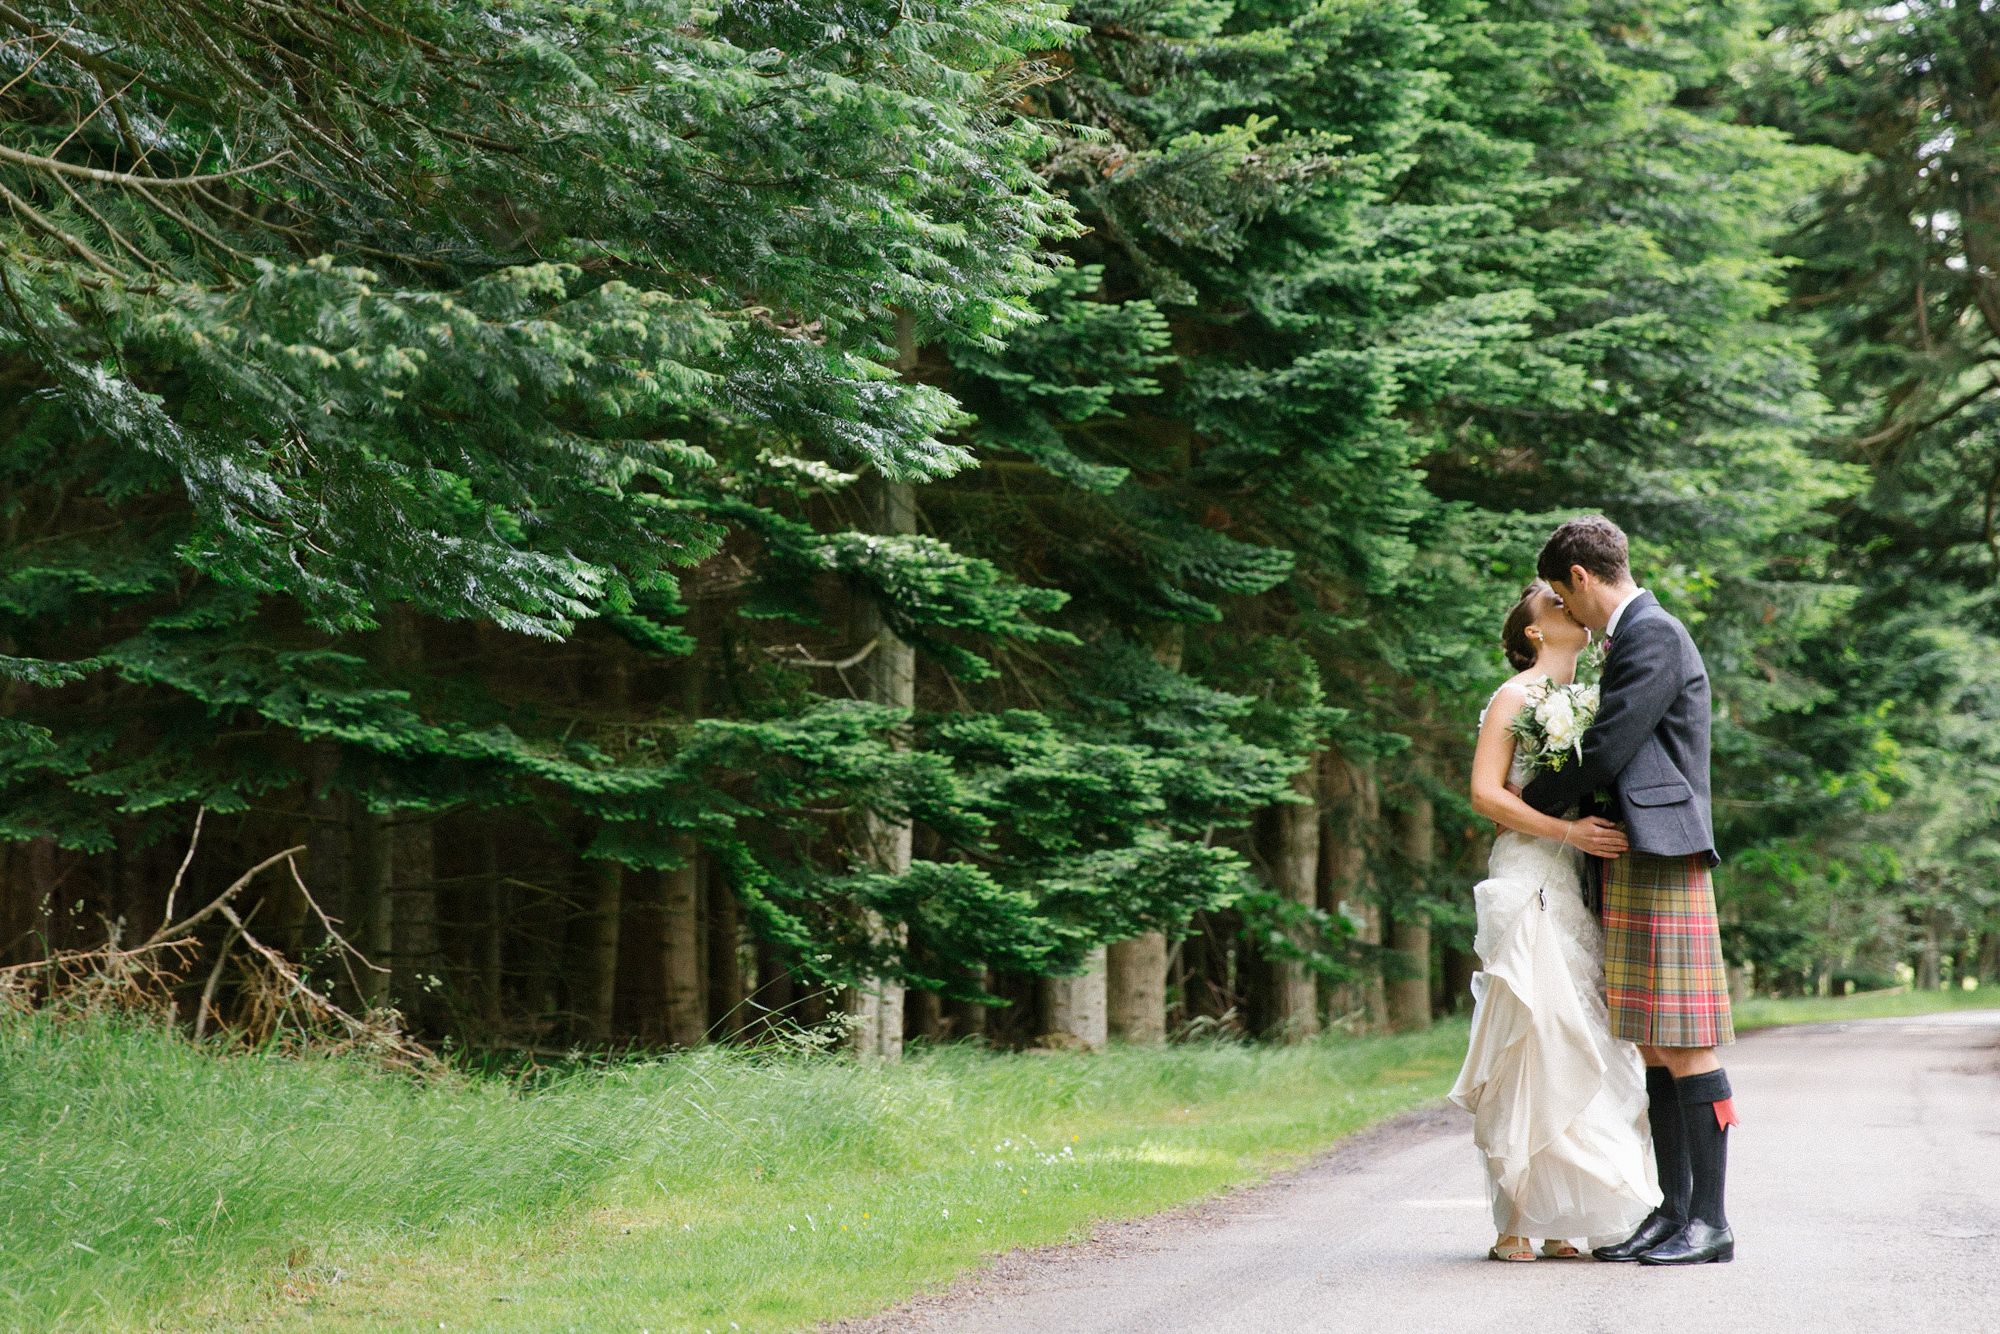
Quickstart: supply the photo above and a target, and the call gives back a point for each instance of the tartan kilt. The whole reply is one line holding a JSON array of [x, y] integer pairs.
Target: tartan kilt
[[1664, 982]]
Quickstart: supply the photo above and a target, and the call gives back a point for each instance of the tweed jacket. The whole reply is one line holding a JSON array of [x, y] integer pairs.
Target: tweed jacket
[[1648, 748]]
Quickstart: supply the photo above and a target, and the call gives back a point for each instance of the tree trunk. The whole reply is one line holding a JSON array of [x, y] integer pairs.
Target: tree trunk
[[1207, 989], [1410, 933], [368, 900], [888, 676], [596, 988], [724, 957], [328, 861], [411, 866], [1291, 850], [1351, 807], [595, 993], [641, 992], [923, 1014], [814, 1006], [1075, 1012], [1928, 978], [770, 1006], [1135, 982], [1452, 989], [1136, 988], [13, 904], [1455, 981], [131, 883], [415, 963], [685, 999], [490, 933], [965, 1019], [285, 914], [686, 1018]]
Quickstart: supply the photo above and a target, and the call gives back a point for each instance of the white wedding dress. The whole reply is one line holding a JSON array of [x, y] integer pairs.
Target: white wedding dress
[[1558, 1105]]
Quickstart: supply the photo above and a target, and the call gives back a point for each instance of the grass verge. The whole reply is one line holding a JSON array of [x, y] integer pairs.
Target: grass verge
[[1761, 1013], [147, 1183]]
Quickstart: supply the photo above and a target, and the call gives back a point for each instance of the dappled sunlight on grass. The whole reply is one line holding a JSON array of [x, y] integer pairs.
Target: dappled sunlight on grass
[[1183, 1155]]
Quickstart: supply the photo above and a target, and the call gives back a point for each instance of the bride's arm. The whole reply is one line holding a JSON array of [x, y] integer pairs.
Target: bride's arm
[[1491, 760]]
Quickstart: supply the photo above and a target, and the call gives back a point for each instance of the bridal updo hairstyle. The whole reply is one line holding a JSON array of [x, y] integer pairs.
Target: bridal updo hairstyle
[[1514, 630], [1594, 542]]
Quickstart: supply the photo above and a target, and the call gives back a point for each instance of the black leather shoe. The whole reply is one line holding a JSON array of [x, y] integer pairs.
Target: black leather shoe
[[1697, 1243], [1657, 1228]]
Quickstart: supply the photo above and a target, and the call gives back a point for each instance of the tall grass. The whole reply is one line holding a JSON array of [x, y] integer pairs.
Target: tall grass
[[147, 1183], [138, 1169]]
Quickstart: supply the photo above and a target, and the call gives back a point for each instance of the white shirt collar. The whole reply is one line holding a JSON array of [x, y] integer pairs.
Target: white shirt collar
[[1618, 612]]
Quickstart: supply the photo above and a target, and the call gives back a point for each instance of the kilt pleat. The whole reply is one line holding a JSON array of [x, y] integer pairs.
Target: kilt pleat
[[1664, 982]]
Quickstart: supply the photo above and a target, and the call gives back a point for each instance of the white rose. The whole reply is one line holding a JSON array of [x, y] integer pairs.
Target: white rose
[[1563, 737], [1586, 700], [1556, 715]]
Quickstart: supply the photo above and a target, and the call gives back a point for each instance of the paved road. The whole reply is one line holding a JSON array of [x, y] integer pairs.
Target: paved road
[[1864, 1189]]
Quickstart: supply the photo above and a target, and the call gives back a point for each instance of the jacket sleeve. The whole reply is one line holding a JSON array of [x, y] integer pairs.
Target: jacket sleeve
[[1635, 694]]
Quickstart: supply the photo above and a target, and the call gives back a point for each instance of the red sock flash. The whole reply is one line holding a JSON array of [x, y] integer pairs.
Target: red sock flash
[[1725, 1113]]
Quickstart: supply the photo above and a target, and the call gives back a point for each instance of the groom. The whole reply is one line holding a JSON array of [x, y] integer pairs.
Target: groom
[[1664, 982]]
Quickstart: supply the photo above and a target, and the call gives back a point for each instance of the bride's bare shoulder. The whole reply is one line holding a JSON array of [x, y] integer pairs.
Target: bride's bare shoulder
[[1508, 699]]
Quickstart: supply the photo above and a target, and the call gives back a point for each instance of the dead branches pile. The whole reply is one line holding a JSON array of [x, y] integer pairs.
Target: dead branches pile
[[273, 1003]]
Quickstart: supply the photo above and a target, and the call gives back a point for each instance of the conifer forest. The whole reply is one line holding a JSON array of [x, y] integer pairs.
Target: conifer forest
[[551, 523]]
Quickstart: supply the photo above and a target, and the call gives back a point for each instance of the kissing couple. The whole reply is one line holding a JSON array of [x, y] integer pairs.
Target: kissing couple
[[1601, 996]]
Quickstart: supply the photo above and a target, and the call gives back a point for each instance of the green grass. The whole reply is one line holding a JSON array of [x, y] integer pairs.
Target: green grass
[[140, 1174], [1754, 1014], [147, 1183]]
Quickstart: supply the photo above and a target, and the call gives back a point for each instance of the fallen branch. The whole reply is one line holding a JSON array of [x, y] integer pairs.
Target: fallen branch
[[275, 999], [382, 1038], [214, 978], [242, 881], [348, 951], [194, 841]]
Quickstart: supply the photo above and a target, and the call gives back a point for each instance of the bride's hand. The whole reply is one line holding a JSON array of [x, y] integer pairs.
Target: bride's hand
[[1598, 837]]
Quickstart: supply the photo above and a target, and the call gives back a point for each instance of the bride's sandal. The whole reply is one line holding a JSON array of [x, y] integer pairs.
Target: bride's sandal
[[1517, 1254], [1557, 1249]]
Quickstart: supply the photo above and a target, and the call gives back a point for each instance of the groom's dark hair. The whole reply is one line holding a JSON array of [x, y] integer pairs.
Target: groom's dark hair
[[1594, 542]]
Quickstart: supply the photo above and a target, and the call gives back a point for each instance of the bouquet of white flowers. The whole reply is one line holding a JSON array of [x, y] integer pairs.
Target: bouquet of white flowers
[[1548, 731]]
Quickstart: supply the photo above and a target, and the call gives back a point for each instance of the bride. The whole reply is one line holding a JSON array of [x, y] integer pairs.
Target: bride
[[1558, 1104]]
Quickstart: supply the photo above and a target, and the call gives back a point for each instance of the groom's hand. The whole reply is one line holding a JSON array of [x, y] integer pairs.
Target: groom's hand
[[1599, 837]]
